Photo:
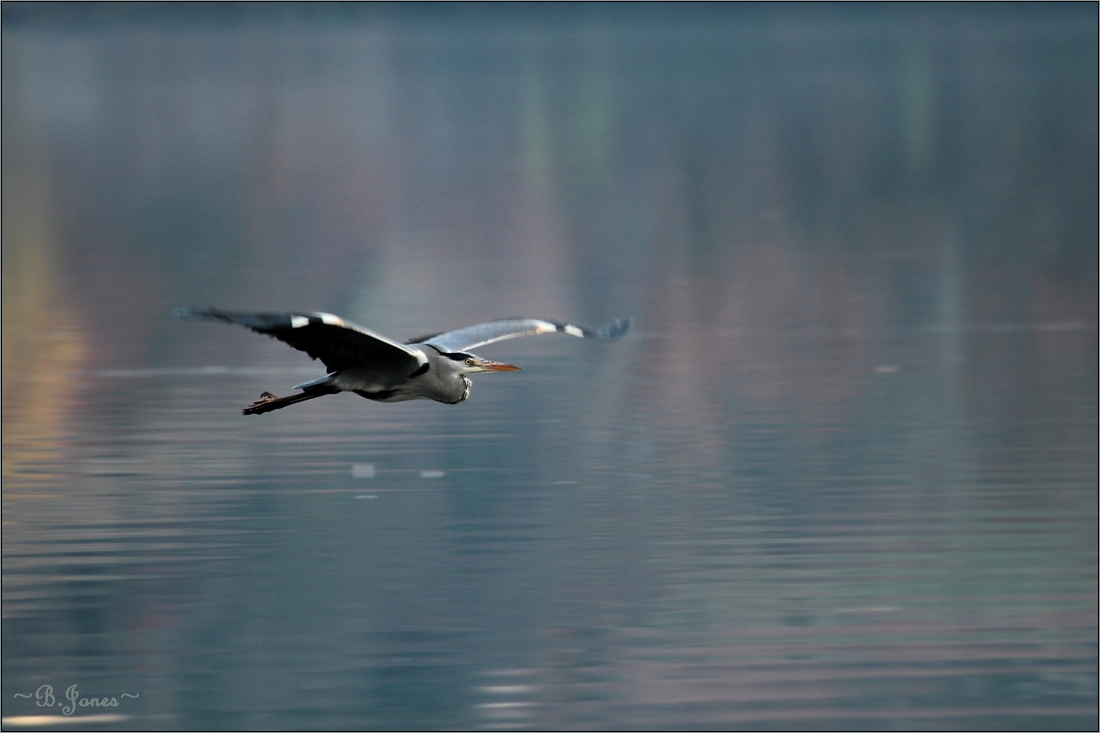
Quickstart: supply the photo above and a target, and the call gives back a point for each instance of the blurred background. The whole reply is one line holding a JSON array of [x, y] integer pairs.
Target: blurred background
[[841, 474]]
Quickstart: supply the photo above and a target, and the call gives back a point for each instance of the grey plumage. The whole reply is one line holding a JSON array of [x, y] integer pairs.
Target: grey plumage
[[482, 334], [358, 360]]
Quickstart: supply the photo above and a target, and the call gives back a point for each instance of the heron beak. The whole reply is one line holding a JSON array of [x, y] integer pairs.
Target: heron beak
[[495, 366]]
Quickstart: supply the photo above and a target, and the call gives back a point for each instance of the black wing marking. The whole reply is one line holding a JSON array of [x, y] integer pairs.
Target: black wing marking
[[472, 337], [339, 344]]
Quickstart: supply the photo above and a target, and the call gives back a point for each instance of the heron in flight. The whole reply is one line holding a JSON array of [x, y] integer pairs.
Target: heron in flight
[[370, 365]]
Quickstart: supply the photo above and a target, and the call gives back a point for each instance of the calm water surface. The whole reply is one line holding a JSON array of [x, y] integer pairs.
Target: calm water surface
[[841, 475]]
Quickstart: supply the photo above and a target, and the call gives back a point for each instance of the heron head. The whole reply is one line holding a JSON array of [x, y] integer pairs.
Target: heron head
[[471, 364]]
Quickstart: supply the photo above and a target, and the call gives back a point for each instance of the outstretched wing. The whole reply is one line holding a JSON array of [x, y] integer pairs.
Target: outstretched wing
[[472, 337], [339, 344]]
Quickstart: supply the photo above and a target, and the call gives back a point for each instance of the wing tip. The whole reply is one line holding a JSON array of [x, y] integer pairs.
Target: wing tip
[[195, 314], [607, 332], [615, 330], [260, 322]]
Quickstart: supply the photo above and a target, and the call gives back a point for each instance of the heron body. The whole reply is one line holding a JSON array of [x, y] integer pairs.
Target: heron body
[[435, 367]]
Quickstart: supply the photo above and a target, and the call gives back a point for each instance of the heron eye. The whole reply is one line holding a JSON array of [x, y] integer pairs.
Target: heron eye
[[470, 362]]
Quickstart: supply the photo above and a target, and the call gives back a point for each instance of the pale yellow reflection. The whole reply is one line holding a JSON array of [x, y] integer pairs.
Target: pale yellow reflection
[[52, 721], [42, 341]]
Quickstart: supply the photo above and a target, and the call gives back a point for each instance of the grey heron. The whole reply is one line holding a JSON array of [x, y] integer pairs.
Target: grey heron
[[434, 367]]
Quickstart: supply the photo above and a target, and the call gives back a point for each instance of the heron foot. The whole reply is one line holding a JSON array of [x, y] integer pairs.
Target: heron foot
[[265, 398]]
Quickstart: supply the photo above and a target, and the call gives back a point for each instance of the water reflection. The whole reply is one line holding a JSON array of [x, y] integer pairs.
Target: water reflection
[[841, 476]]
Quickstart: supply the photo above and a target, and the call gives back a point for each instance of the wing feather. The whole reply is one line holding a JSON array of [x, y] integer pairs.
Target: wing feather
[[472, 337], [337, 343]]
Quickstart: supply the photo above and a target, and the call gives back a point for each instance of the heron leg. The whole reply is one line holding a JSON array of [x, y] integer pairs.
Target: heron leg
[[269, 402]]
